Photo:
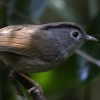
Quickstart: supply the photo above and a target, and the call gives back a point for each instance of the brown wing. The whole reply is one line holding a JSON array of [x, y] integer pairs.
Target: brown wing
[[18, 39], [30, 41]]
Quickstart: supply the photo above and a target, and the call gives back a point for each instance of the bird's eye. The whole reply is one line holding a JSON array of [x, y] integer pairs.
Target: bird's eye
[[75, 34]]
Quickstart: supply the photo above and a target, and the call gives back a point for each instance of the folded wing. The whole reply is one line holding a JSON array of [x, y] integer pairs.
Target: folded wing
[[18, 40]]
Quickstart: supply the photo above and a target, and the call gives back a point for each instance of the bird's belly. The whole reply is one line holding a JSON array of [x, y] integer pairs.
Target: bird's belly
[[25, 64], [28, 65]]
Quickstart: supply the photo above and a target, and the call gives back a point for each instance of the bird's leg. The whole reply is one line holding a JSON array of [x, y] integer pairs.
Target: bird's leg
[[13, 80], [35, 84]]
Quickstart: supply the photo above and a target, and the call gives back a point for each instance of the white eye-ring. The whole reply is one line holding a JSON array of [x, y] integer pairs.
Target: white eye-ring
[[75, 34]]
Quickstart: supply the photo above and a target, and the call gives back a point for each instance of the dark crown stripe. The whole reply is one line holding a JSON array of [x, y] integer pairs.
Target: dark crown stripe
[[62, 25], [55, 26], [47, 27]]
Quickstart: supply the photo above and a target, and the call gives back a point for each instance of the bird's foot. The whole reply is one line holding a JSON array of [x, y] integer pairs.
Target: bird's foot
[[35, 84]]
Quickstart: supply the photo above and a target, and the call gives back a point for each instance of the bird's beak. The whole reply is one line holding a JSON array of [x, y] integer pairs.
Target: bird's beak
[[90, 38]]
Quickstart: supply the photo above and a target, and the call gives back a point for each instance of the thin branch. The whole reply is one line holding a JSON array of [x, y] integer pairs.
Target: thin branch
[[88, 57], [13, 80], [36, 94]]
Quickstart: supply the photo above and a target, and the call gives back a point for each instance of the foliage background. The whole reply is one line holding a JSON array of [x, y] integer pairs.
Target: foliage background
[[76, 79]]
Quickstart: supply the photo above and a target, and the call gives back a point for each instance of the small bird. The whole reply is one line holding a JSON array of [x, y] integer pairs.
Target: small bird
[[39, 48]]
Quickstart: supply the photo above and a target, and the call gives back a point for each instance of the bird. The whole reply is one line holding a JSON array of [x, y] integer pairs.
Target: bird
[[40, 48]]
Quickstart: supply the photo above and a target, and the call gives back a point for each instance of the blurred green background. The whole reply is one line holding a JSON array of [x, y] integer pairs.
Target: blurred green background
[[76, 79]]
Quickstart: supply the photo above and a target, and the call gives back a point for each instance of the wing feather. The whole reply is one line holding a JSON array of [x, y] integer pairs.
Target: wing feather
[[30, 41], [17, 40]]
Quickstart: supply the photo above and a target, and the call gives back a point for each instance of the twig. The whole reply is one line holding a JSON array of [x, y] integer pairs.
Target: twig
[[13, 80], [88, 57], [16, 12], [36, 94]]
